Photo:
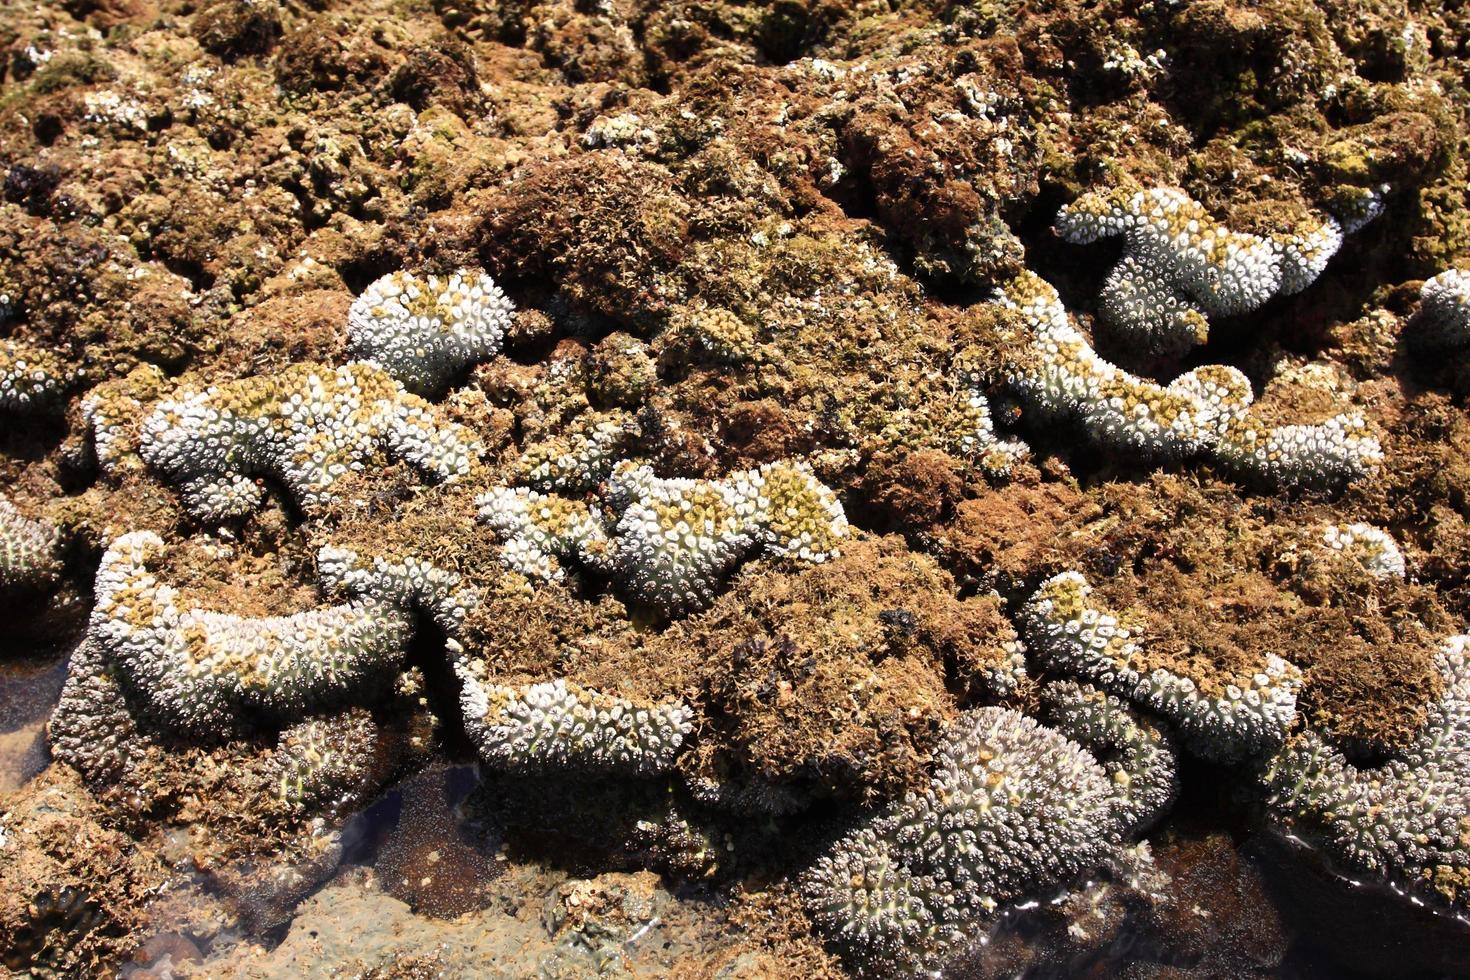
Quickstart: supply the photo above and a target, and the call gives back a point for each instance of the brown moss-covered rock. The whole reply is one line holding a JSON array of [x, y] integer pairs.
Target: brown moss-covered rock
[[839, 677], [68, 909], [234, 28]]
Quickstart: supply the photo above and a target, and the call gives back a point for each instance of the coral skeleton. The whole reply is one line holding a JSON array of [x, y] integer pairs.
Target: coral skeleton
[[1231, 718], [1137, 753], [1372, 547], [669, 541], [208, 674], [28, 559], [1405, 822], [1442, 321], [306, 427], [29, 378], [1012, 808], [561, 725], [1180, 267], [1205, 410], [425, 331]]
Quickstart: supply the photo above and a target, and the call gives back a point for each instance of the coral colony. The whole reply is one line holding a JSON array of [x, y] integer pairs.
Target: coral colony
[[1014, 806]]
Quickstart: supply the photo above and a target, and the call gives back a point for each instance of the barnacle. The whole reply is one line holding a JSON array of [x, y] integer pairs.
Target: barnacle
[[1219, 717], [1180, 267], [30, 378], [1012, 809], [1406, 821], [307, 427], [424, 331], [562, 725], [28, 560]]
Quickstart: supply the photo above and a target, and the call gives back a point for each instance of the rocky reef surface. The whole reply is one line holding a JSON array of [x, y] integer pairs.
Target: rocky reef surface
[[754, 488]]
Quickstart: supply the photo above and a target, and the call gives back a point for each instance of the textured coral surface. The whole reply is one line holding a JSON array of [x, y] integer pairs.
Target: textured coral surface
[[734, 488]]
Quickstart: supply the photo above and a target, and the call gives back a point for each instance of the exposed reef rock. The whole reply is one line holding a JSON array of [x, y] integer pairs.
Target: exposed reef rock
[[947, 487]]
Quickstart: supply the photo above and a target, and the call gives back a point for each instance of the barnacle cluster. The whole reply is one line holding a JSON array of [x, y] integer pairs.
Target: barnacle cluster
[[1179, 266], [30, 378], [669, 541], [1205, 410], [28, 559], [307, 427], [1372, 547], [1442, 321], [1404, 821], [1013, 808], [1220, 717], [556, 725], [425, 330]]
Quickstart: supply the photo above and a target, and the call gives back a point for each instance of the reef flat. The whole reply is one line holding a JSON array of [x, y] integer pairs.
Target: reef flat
[[754, 488]]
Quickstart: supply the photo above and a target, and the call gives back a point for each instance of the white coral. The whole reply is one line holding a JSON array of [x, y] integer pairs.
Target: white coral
[[307, 427], [1180, 266], [424, 331], [1246, 715]]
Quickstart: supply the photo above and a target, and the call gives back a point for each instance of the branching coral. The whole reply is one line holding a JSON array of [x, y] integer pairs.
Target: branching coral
[[1180, 266], [561, 725], [28, 560], [1013, 808], [669, 541], [980, 443], [1220, 717], [1442, 321], [1203, 410], [29, 378], [307, 427], [207, 673], [424, 331], [1138, 755], [1372, 547], [1405, 822]]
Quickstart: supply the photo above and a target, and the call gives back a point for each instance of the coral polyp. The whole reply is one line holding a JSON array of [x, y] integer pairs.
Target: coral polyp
[[307, 427], [28, 553], [207, 673], [1180, 267], [1405, 821], [1220, 717], [1205, 410], [1012, 809], [426, 330], [669, 541]]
